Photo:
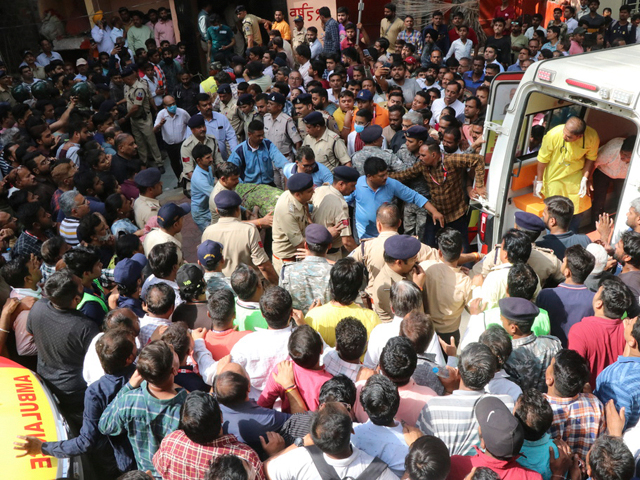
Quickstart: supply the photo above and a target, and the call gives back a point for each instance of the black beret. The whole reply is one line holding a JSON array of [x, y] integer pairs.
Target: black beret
[[346, 174], [196, 121], [227, 199], [314, 118], [277, 97], [303, 98], [371, 133], [148, 177], [299, 182], [418, 132], [529, 221], [402, 247], [224, 88], [128, 71], [245, 99], [318, 234], [518, 309]]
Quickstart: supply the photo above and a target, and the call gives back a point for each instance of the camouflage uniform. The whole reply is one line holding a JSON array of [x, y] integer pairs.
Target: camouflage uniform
[[264, 197], [306, 281], [415, 217], [358, 159], [216, 281], [530, 359]]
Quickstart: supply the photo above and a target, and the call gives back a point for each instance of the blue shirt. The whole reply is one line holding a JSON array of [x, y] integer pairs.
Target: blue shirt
[[620, 381], [469, 83], [256, 166], [368, 202], [322, 176], [536, 455], [135, 304], [201, 185], [567, 305], [98, 395], [561, 241], [248, 421], [220, 128]]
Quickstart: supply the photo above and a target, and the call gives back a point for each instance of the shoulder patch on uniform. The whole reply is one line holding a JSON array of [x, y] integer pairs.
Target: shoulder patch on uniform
[[260, 244], [139, 94], [186, 159], [292, 208]]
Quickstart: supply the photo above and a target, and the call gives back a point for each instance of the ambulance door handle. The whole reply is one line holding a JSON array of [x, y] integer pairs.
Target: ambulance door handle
[[516, 175]]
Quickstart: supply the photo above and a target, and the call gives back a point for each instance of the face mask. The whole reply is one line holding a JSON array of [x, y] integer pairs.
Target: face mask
[[172, 109], [359, 128]]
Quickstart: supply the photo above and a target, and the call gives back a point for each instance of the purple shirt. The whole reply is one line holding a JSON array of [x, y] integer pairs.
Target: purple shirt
[[567, 305]]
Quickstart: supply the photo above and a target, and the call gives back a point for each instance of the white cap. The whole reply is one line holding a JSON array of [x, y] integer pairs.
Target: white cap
[[601, 256]]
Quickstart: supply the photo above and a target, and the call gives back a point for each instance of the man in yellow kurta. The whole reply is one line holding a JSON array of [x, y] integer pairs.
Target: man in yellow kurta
[[565, 163]]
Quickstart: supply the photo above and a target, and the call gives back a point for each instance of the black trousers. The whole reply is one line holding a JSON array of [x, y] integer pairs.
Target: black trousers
[[174, 157], [461, 224]]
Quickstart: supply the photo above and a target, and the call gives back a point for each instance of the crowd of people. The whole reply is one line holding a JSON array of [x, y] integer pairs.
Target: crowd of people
[[318, 330]]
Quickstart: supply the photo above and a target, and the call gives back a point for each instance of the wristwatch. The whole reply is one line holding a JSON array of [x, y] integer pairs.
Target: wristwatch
[[299, 442]]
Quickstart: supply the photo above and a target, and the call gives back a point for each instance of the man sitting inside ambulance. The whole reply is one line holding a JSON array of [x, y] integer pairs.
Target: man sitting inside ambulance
[[565, 161]]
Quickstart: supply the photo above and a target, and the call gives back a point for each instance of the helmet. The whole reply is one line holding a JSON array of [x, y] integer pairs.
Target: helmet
[[21, 93], [42, 90], [83, 91]]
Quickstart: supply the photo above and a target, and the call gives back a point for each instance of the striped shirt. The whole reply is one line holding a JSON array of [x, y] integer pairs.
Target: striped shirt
[[452, 419], [620, 381], [69, 231], [577, 420], [145, 419]]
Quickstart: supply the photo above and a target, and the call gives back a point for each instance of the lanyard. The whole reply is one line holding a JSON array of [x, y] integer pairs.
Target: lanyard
[[445, 173]]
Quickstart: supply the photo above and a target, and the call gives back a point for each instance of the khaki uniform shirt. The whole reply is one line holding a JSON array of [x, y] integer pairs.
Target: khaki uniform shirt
[[450, 291], [138, 94], [188, 163], [298, 37], [217, 188], [289, 222], [144, 208], [330, 149], [251, 26], [542, 260], [381, 295], [329, 209], [6, 97], [241, 242], [371, 253], [329, 121], [282, 132], [247, 119], [158, 236], [231, 111]]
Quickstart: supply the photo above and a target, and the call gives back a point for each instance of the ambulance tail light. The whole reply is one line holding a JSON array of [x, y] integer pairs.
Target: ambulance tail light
[[621, 96], [482, 226], [583, 85], [546, 75]]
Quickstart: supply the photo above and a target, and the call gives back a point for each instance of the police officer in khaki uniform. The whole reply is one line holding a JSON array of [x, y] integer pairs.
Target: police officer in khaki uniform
[[547, 266], [329, 148], [371, 251], [198, 136], [330, 208], [304, 106], [241, 240], [281, 130], [290, 218], [248, 113], [147, 205], [402, 253], [229, 108], [136, 92]]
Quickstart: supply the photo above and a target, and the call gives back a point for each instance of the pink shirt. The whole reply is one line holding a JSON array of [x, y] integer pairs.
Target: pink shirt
[[575, 48], [599, 340], [309, 383], [164, 31], [412, 398]]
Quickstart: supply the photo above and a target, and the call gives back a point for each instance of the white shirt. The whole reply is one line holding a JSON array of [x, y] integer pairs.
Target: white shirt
[[152, 280], [297, 465], [351, 143], [494, 287], [572, 24], [331, 97], [439, 105], [530, 31], [102, 37], [386, 443], [259, 352], [175, 128], [148, 325], [381, 334], [153, 86], [459, 49], [304, 71], [501, 385], [316, 49], [42, 59], [92, 370]]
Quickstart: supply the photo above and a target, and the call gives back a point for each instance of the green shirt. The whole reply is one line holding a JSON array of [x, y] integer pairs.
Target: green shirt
[[219, 37], [249, 317]]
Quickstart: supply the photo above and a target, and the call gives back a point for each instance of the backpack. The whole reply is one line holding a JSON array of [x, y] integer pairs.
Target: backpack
[[327, 472]]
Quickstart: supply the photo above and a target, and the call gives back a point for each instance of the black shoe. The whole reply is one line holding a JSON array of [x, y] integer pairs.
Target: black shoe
[[186, 192]]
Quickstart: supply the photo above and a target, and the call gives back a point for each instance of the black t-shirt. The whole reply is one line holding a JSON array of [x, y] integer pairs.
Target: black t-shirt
[[504, 48]]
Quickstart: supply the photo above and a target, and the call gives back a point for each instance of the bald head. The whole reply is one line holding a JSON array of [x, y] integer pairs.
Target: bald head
[[232, 385], [168, 100], [576, 125], [388, 216], [122, 318]]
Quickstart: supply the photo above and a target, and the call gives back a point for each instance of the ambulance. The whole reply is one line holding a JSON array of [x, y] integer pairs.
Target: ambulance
[[28, 408], [599, 87]]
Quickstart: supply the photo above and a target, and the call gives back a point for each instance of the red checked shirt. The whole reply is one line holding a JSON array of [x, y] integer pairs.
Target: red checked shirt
[[181, 459]]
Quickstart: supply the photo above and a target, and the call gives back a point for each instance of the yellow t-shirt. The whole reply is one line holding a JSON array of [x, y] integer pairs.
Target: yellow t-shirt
[[565, 161], [338, 116], [325, 318]]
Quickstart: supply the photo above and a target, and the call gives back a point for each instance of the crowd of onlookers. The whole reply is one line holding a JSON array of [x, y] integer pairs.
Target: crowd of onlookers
[[320, 327]]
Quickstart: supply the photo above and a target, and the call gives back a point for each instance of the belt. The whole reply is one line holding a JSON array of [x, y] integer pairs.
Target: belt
[[333, 250], [290, 259]]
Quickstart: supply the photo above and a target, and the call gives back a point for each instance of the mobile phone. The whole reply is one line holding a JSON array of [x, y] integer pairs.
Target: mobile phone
[[366, 52], [386, 65]]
